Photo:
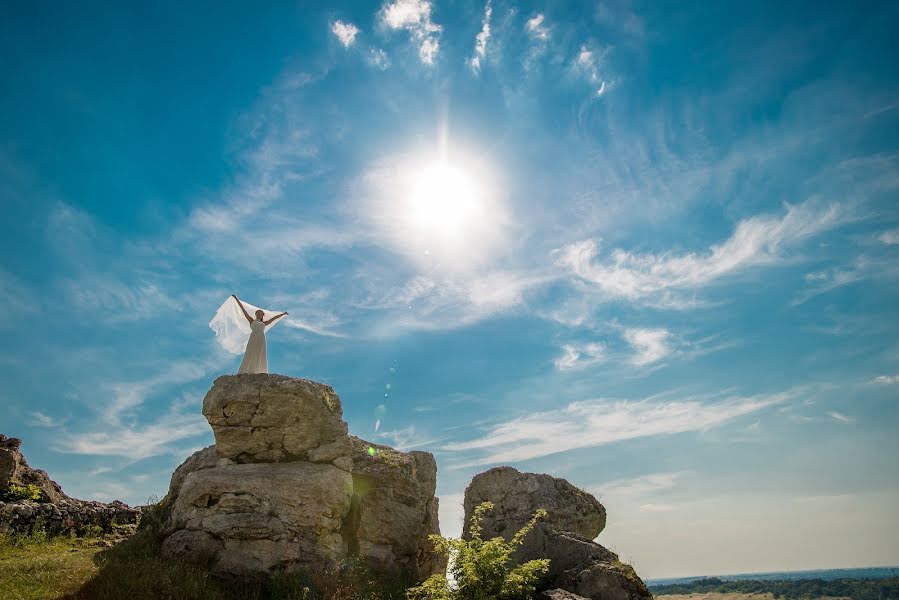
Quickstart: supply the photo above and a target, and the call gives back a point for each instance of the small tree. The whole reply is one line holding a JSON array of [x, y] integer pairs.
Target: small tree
[[481, 568]]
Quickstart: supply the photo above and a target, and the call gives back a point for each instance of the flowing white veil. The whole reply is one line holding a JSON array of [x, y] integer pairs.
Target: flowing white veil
[[232, 330]]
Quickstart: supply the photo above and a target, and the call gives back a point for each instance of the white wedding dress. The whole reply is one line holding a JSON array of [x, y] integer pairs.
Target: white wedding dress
[[255, 359]]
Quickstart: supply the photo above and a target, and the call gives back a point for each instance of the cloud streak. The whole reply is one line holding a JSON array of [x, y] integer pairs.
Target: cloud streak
[[757, 241], [590, 423], [480, 44]]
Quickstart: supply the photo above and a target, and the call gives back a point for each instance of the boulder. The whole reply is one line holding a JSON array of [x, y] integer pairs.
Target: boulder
[[247, 518], [581, 566], [517, 495], [270, 418], [578, 566]]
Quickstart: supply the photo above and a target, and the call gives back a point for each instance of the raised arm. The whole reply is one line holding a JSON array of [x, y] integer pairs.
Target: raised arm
[[275, 318], [242, 309]]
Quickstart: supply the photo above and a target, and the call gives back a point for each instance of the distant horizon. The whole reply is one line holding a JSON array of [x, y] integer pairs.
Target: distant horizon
[[653, 581]]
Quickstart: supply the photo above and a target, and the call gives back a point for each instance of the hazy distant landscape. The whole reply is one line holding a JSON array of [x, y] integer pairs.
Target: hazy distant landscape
[[858, 584]]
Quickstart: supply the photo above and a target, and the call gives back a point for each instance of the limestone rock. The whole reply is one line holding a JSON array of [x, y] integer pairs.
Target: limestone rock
[[199, 460], [271, 418], [285, 487], [394, 508], [248, 518], [517, 495], [14, 469], [582, 566], [559, 594], [578, 566]]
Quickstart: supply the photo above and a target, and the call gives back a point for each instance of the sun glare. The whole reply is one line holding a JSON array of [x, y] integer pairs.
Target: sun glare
[[443, 200]]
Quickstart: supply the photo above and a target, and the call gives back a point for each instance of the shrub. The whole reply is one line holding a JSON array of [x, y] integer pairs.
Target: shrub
[[481, 568], [16, 492]]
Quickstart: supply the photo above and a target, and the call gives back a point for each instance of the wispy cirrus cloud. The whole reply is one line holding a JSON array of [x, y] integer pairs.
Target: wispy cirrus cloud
[[576, 356], [756, 241], [886, 379], [415, 17], [650, 345], [43, 420], [345, 32], [586, 63], [378, 59], [480, 44], [637, 486], [590, 423], [840, 417], [138, 441]]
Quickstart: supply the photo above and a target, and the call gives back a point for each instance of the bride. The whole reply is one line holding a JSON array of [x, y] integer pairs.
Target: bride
[[255, 359], [237, 331]]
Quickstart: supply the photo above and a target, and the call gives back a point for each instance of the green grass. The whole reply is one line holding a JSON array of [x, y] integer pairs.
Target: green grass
[[81, 569], [41, 570]]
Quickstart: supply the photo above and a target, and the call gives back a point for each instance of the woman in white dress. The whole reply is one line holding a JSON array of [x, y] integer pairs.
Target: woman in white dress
[[255, 359]]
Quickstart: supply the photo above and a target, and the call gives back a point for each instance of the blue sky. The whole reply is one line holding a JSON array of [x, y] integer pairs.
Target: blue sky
[[651, 249]]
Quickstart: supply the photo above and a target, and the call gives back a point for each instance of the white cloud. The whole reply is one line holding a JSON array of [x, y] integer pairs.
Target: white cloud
[[378, 59], [586, 65], [890, 238], [345, 32], [637, 486], [415, 17], [580, 355], [886, 379], [480, 45], [17, 299], [757, 241], [650, 345], [117, 301], [840, 417], [406, 438], [42, 420], [536, 29], [592, 423]]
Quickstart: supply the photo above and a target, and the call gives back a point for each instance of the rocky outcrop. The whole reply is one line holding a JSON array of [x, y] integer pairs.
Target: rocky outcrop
[[516, 495], [54, 512], [14, 469], [286, 488], [578, 566]]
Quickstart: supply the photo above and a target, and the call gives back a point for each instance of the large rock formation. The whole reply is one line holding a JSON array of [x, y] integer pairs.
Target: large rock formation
[[578, 566], [285, 487], [14, 469], [54, 511]]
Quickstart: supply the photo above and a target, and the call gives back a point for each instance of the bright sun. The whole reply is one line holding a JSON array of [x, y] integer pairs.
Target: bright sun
[[443, 201]]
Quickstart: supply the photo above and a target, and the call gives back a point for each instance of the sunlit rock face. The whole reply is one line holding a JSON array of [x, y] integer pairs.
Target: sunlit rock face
[[578, 566], [516, 495], [286, 488]]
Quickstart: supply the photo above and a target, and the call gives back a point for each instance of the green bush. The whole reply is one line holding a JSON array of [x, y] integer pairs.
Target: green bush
[[481, 568], [17, 492]]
